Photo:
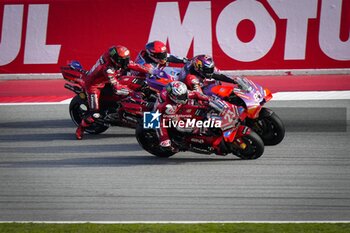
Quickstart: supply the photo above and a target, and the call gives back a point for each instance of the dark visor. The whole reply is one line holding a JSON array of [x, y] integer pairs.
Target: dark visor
[[182, 97], [123, 62], [161, 56], [208, 70]]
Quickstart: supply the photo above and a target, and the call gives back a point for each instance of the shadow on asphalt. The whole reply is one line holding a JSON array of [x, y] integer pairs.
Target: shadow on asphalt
[[38, 124], [118, 161], [60, 136]]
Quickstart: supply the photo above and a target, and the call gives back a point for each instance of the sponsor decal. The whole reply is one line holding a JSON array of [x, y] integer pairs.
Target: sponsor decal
[[251, 34], [197, 140], [152, 120], [245, 130]]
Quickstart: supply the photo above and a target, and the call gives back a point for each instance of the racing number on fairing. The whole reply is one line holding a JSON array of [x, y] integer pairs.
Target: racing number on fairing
[[257, 96], [229, 116]]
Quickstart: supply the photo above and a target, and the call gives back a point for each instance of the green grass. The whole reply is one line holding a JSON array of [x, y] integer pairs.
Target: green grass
[[175, 228]]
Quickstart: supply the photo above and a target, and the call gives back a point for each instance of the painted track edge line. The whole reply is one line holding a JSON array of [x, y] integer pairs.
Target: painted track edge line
[[168, 222], [311, 95], [36, 103]]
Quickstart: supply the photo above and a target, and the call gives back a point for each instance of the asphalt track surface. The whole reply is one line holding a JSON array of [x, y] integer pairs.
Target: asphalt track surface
[[47, 175]]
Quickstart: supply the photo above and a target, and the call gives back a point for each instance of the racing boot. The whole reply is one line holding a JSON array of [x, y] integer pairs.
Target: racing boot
[[168, 147], [165, 144], [79, 133], [174, 149]]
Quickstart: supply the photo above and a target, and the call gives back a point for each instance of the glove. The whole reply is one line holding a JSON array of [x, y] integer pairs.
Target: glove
[[121, 90], [149, 68], [155, 72], [158, 73], [203, 102]]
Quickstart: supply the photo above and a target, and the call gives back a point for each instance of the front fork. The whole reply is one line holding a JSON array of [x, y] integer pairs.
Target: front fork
[[258, 124], [241, 132]]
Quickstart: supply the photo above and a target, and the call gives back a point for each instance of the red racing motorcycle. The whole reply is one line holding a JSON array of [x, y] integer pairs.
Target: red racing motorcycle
[[115, 110], [219, 133], [252, 97]]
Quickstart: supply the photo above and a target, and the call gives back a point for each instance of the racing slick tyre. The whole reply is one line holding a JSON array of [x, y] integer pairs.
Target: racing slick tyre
[[148, 140], [254, 147], [269, 127], [78, 109]]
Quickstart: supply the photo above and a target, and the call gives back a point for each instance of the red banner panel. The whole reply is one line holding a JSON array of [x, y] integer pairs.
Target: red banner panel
[[39, 36]]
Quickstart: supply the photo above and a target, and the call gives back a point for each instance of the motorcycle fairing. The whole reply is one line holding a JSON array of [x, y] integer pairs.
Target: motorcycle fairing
[[267, 95], [229, 135], [243, 131], [220, 90], [158, 83]]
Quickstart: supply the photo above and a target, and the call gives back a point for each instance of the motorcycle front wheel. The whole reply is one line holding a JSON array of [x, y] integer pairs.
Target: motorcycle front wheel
[[78, 109], [269, 127], [148, 140], [253, 147]]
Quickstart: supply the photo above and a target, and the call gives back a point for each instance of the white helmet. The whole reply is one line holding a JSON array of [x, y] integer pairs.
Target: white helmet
[[177, 92]]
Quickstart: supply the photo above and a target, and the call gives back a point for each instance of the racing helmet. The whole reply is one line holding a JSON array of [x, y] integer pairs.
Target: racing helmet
[[177, 92], [120, 56], [157, 51], [203, 65]]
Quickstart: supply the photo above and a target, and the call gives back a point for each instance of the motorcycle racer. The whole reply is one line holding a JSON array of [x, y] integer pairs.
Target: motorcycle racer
[[111, 65], [156, 54], [171, 100], [199, 69]]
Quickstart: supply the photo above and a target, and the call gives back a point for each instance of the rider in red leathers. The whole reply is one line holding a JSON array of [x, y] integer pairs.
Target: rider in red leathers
[[173, 98], [111, 65], [156, 54]]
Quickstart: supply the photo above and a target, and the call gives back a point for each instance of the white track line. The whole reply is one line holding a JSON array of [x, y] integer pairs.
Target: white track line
[[311, 95], [168, 222]]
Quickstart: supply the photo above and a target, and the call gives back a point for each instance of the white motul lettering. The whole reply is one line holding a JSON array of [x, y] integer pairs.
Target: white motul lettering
[[10, 42], [226, 27], [297, 14], [329, 39], [167, 25], [36, 51]]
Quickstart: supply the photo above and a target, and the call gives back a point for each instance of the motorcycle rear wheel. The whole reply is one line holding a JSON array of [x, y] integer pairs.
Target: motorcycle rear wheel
[[78, 108], [254, 147]]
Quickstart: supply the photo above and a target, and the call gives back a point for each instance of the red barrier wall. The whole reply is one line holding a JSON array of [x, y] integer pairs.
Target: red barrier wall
[[39, 36]]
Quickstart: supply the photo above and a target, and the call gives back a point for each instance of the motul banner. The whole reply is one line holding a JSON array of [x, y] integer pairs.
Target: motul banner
[[40, 36]]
